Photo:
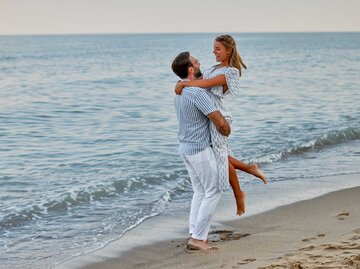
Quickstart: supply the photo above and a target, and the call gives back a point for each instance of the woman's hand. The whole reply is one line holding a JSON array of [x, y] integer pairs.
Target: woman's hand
[[179, 87]]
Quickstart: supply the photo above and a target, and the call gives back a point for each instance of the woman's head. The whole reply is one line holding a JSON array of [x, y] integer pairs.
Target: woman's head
[[225, 51]]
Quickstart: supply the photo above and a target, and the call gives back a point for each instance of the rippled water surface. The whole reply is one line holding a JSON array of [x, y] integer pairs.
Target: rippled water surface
[[88, 143]]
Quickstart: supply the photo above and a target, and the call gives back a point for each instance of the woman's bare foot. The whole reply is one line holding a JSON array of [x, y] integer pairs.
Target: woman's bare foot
[[240, 203], [255, 170], [252, 168]]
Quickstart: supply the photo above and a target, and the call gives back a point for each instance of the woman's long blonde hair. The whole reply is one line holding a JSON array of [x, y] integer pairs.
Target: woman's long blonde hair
[[235, 59]]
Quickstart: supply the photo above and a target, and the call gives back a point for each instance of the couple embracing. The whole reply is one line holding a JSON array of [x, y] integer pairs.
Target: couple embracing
[[204, 125]]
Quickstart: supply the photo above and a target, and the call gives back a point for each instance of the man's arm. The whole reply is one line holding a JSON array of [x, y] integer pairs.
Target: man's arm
[[220, 122]]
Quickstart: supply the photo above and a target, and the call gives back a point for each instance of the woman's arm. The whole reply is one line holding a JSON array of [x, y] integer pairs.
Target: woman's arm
[[202, 83]]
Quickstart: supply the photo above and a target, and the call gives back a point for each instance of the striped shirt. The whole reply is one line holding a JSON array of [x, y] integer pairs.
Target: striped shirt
[[192, 108]]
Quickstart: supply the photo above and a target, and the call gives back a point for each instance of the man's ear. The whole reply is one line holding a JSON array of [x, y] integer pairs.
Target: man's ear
[[191, 70]]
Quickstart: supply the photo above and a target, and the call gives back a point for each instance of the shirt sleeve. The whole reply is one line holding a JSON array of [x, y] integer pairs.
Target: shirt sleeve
[[204, 103], [232, 77]]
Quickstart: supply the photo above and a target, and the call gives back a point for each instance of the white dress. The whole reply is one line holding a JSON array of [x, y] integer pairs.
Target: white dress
[[219, 141]]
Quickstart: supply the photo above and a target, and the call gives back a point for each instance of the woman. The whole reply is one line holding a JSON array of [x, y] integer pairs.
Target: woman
[[221, 79]]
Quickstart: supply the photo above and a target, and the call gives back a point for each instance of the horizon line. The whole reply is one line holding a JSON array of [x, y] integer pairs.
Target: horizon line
[[174, 33]]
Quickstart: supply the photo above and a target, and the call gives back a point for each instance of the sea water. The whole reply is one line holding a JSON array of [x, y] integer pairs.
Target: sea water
[[88, 131]]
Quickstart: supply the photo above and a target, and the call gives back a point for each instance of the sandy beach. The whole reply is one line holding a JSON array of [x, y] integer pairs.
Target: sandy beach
[[323, 232]]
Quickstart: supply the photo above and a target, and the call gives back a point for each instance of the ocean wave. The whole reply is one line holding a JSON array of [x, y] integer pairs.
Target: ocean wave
[[108, 81], [329, 139], [7, 58], [61, 204], [64, 202], [306, 177], [175, 184], [73, 198]]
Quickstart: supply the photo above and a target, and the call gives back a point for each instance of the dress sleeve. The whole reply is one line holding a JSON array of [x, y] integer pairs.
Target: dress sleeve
[[232, 77]]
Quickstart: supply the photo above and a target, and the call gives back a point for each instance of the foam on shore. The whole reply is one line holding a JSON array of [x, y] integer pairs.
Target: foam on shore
[[302, 232]]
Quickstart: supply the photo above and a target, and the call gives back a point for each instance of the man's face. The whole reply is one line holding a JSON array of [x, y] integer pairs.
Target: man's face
[[196, 64]]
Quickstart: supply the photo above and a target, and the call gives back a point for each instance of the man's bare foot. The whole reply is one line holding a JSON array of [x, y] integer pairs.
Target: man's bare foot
[[255, 170], [201, 245], [240, 203]]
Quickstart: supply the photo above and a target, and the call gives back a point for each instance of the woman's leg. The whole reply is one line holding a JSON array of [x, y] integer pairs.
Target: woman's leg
[[252, 169], [238, 193]]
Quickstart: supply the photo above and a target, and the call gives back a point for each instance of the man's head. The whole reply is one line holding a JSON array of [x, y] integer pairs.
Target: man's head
[[186, 66]]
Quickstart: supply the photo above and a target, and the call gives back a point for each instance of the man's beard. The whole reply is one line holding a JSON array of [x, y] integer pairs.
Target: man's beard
[[198, 74]]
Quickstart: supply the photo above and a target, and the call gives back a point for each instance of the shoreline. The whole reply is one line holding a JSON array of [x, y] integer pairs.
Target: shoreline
[[282, 234]]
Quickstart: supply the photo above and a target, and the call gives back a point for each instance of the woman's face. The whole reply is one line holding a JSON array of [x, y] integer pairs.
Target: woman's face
[[220, 51]]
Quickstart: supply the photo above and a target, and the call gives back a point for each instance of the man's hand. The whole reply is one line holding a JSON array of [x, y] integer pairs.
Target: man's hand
[[179, 87]]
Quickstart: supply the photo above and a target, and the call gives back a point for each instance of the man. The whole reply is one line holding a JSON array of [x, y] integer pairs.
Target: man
[[195, 110]]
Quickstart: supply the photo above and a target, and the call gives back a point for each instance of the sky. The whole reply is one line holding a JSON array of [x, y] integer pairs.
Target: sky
[[186, 16]]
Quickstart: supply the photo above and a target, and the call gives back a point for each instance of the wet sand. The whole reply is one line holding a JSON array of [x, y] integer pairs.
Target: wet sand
[[322, 233]]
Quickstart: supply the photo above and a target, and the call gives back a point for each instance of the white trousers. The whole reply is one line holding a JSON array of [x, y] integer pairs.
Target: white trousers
[[203, 173]]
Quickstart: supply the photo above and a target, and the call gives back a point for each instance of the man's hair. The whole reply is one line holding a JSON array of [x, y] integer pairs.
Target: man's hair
[[181, 63]]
